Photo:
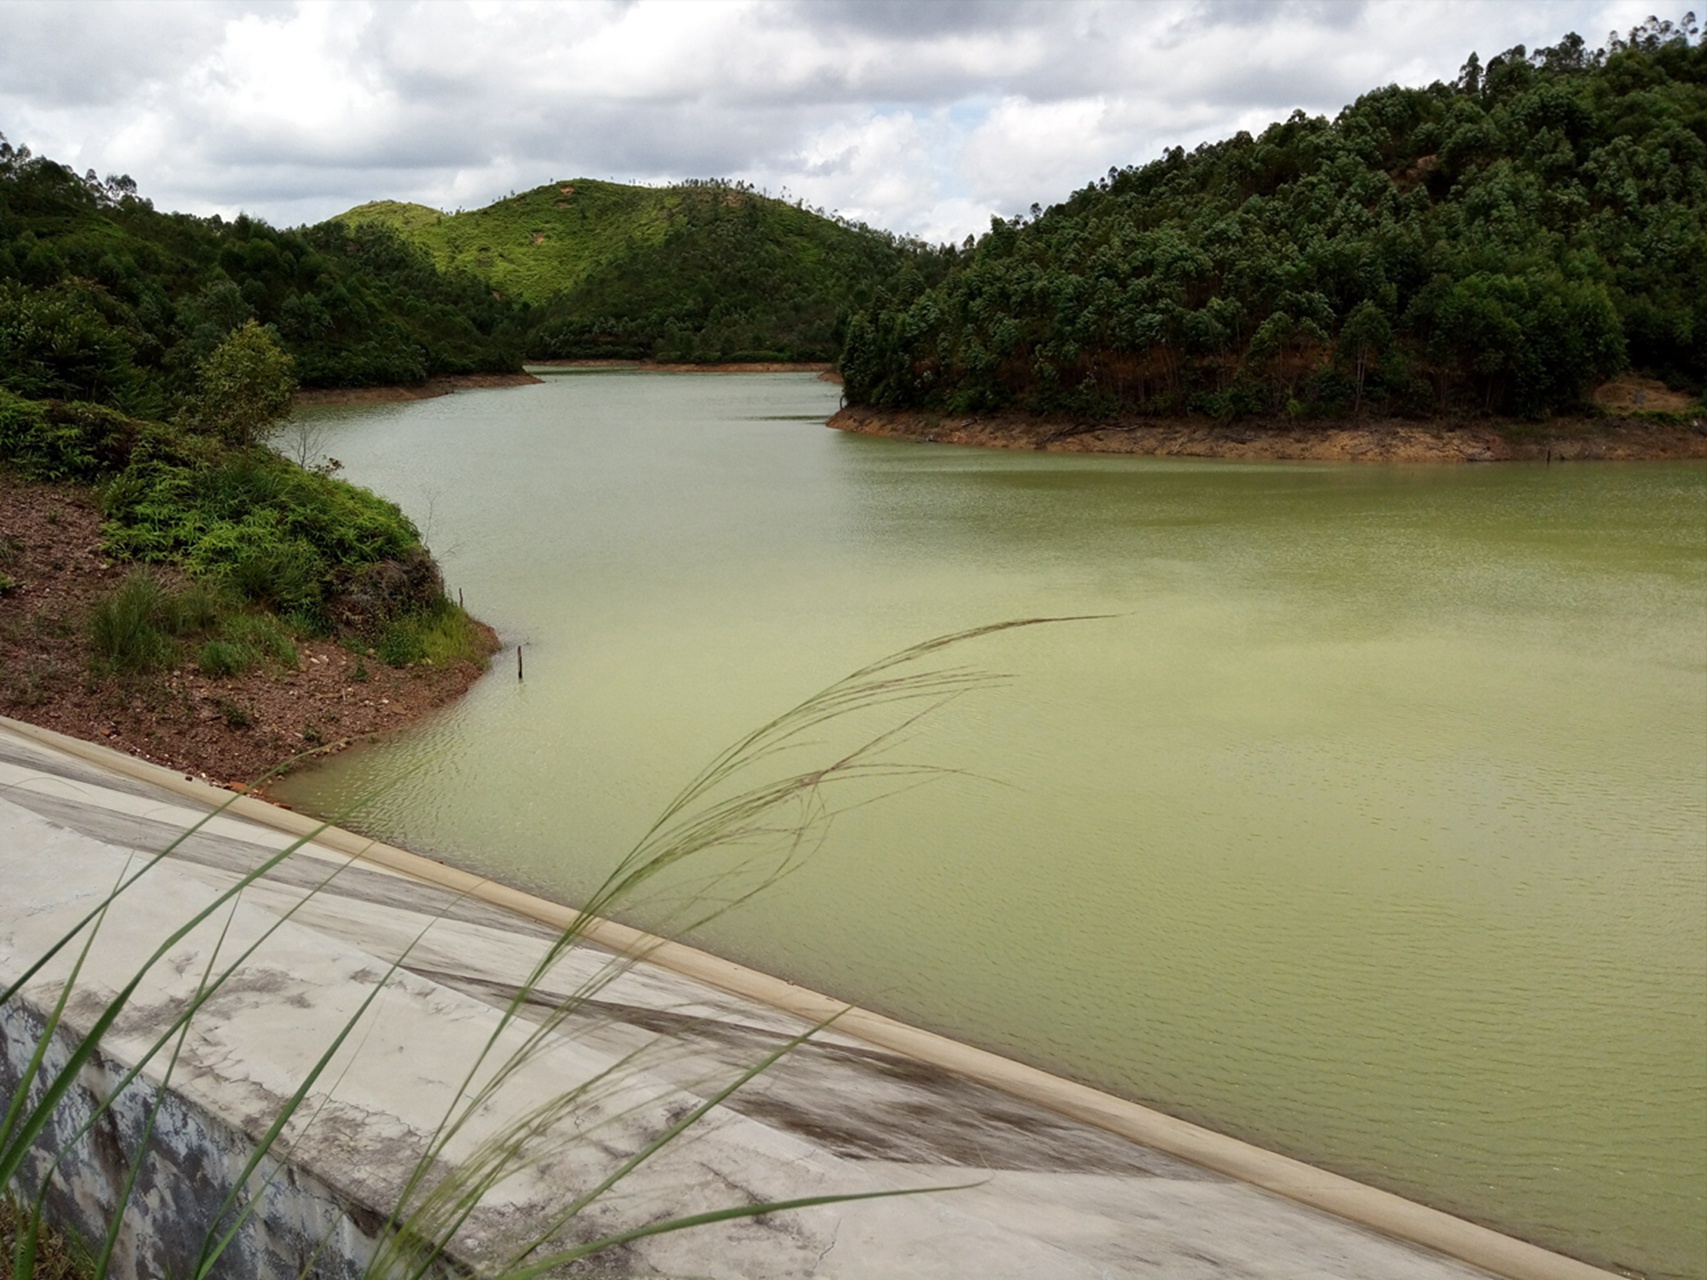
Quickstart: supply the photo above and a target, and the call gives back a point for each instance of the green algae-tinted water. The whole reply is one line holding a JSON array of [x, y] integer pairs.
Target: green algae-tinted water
[[1371, 828]]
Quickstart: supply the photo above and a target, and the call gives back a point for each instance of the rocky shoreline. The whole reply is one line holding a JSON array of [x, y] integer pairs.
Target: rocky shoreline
[[1611, 438]]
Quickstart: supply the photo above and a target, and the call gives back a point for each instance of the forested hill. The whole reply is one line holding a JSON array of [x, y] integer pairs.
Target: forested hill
[[1500, 244], [709, 270], [104, 298]]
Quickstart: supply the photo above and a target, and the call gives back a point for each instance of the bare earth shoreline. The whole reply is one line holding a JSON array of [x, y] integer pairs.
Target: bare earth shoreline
[[1577, 439], [826, 371]]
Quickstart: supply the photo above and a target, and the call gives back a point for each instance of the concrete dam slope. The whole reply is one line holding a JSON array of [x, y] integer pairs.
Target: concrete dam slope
[[1053, 1194]]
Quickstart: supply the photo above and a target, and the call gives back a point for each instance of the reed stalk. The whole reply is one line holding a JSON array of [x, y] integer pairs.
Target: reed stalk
[[770, 796]]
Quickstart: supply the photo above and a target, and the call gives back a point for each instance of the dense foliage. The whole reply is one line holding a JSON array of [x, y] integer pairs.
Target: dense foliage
[[104, 299], [263, 531], [1500, 243], [703, 271]]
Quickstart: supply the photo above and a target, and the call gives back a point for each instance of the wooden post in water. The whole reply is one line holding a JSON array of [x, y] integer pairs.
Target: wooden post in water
[[518, 661], [459, 603]]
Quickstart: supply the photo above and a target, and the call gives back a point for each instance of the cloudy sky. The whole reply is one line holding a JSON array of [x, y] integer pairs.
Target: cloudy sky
[[923, 116]]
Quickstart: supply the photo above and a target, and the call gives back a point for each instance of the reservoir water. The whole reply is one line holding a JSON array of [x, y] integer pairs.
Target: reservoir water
[[1370, 825]]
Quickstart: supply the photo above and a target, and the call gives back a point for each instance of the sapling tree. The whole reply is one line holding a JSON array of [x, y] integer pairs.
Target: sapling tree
[[304, 441], [244, 388], [1363, 337]]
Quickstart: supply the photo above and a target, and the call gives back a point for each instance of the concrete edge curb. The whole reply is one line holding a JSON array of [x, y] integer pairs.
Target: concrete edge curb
[[1353, 1201]]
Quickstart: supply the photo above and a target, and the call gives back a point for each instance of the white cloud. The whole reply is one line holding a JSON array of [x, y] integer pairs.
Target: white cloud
[[1029, 151], [922, 117]]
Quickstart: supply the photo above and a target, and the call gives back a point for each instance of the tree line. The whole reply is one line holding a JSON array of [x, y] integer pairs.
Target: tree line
[[107, 300]]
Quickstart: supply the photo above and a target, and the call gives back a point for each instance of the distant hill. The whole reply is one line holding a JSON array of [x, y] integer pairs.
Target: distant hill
[[700, 271], [104, 298], [538, 243]]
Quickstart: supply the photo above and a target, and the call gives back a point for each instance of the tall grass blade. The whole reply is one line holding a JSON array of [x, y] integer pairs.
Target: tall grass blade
[[778, 822]]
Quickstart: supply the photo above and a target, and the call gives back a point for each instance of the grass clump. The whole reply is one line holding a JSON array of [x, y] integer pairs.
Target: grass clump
[[440, 633], [222, 658], [131, 629], [233, 715], [144, 626], [35, 684], [58, 1255], [253, 639]]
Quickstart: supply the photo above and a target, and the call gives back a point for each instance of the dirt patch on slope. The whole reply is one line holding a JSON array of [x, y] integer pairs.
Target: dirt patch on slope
[[229, 730], [1640, 395]]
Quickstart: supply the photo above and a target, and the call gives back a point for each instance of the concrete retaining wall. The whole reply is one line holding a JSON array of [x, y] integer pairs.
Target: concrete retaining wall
[[301, 1227]]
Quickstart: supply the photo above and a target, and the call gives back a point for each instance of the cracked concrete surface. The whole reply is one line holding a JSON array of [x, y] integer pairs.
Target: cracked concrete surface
[[1051, 1196]]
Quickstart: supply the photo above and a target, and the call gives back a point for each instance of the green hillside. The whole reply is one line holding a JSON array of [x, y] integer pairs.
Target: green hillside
[[1500, 243], [699, 271], [537, 243]]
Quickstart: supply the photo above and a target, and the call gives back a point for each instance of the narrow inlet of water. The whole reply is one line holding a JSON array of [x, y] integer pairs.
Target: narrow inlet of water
[[1368, 822]]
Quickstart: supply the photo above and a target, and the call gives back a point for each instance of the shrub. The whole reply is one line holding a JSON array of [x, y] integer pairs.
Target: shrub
[[64, 440], [56, 344], [258, 526]]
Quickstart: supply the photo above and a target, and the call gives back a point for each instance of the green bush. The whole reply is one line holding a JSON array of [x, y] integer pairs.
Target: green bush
[[55, 343], [244, 641], [259, 527], [27, 444], [244, 388]]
